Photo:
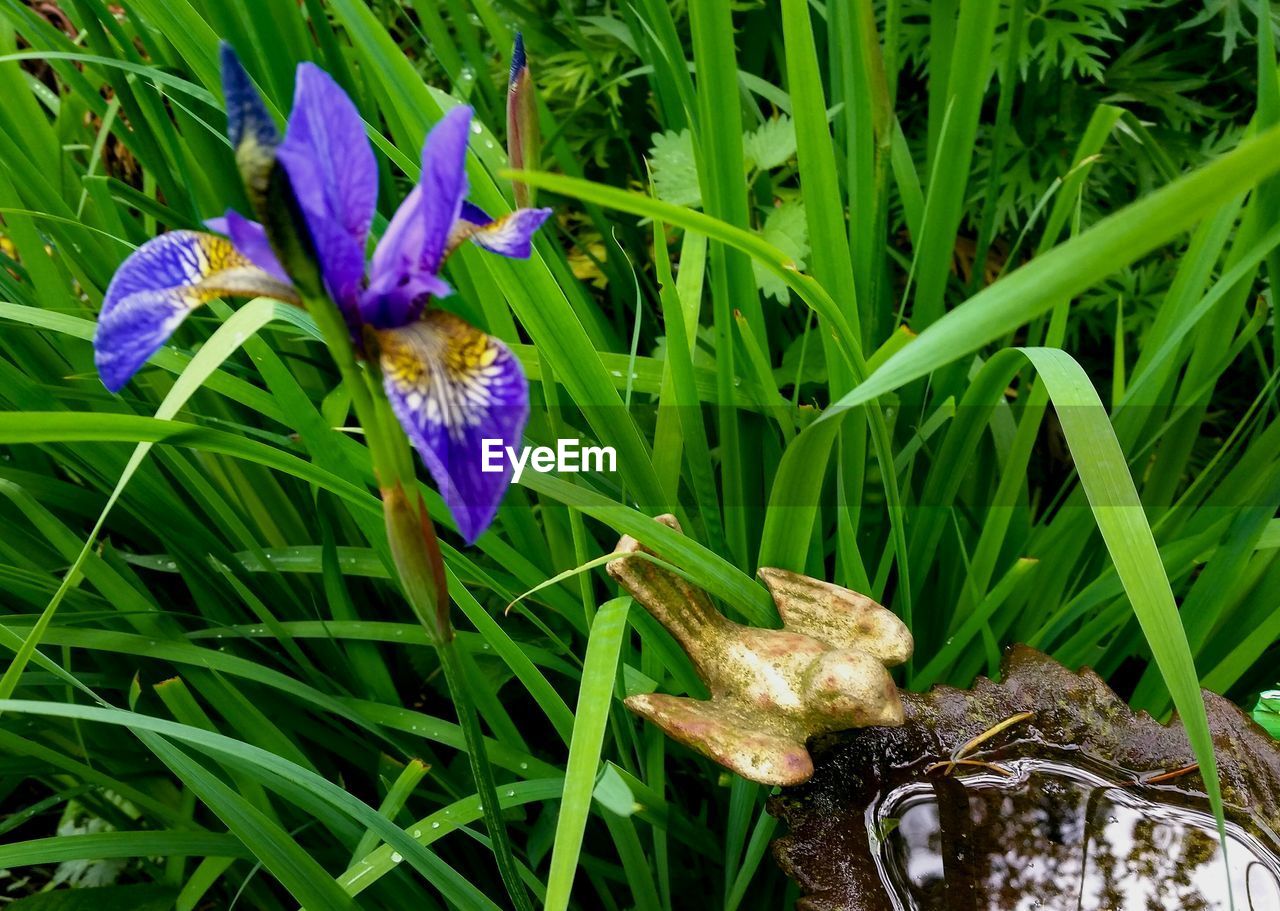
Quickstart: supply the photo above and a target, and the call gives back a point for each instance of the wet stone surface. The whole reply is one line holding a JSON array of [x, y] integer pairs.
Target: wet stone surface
[[1081, 804]]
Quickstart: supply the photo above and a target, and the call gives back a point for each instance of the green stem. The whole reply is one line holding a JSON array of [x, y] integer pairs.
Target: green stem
[[333, 328], [482, 772], [417, 558]]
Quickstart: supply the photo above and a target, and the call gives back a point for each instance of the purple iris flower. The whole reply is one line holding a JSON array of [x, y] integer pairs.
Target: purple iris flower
[[450, 385]]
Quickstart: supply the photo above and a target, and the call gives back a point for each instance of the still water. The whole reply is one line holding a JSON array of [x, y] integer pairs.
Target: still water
[[1056, 836]]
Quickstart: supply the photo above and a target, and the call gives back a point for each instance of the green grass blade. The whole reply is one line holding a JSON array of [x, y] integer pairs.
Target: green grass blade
[[1105, 478], [594, 700]]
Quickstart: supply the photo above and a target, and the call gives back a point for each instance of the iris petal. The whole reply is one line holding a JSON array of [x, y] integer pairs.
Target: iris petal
[[474, 214], [398, 285], [250, 238], [410, 253], [510, 235], [453, 387], [158, 285], [252, 132], [334, 176], [444, 183]]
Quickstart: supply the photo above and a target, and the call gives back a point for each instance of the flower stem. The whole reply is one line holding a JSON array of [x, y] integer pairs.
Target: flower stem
[[482, 772], [420, 567]]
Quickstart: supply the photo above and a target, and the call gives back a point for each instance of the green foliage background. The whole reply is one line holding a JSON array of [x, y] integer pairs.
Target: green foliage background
[[966, 305]]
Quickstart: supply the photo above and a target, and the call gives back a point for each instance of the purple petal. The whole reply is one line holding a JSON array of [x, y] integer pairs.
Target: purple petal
[[334, 176], [453, 389], [407, 262], [443, 182], [387, 302], [249, 126], [251, 130], [395, 299], [474, 214], [418, 234], [250, 238], [158, 285], [511, 234]]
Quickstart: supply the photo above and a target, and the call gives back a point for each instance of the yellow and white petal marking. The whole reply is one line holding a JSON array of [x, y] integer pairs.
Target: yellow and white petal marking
[[453, 387], [446, 369], [155, 289]]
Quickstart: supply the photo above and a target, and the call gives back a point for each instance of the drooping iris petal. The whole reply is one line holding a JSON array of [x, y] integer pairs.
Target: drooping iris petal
[[334, 176], [252, 132], [250, 238], [453, 387], [158, 285], [510, 235]]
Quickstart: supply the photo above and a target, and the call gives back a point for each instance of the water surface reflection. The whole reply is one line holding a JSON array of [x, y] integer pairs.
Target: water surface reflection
[[1056, 836]]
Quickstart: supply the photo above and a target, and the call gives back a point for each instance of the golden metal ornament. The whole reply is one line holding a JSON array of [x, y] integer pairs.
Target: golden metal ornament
[[771, 689]]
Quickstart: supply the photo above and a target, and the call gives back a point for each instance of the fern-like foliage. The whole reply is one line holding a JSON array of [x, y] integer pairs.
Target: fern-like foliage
[[1069, 37]]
